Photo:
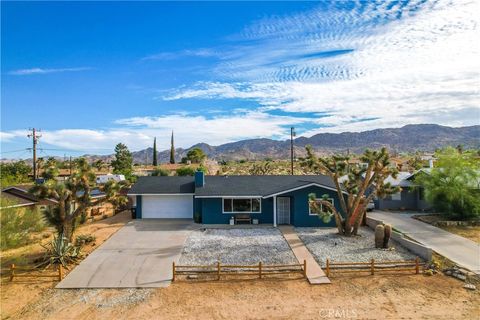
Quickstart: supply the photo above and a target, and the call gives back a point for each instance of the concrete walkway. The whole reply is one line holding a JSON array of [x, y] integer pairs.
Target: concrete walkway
[[462, 251], [315, 274], [139, 255]]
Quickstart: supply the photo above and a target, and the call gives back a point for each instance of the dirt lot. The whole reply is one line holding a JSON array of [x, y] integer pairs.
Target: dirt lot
[[363, 297], [366, 297], [16, 295]]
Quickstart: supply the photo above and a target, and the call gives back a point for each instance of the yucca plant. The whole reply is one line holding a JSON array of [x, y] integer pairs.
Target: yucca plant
[[61, 251]]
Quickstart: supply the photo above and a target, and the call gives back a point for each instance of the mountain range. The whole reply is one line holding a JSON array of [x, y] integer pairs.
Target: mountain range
[[410, 138]]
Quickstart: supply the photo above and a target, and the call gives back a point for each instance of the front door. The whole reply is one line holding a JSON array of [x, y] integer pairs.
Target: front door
[[283, 210]]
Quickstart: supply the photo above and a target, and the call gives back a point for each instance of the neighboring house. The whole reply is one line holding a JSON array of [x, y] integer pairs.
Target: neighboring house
[[411, 196], [266, 199], [18, 196]]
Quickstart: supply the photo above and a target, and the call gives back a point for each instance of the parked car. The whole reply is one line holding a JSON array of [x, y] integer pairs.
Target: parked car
[[370, 206]]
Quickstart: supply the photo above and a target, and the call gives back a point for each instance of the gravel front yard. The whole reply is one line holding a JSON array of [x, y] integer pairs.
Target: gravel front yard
[[325, 243], [236, 246]]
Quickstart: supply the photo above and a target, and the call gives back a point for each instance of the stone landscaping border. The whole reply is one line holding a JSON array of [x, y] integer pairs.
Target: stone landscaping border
[[422, 251]]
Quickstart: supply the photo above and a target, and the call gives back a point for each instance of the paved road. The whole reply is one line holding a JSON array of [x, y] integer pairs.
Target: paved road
[[138, 255], [462, 251]]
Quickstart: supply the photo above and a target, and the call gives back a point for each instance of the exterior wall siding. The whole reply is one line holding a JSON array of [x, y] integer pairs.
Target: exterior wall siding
[[138, 214], [408, 201], [211, 209]]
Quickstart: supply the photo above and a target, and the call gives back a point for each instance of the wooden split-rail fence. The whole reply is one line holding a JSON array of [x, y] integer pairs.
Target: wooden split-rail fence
[[16, 271], [218, 270], [373, 266]]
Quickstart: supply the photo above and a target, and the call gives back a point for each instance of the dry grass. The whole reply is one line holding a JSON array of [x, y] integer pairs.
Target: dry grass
[[469, 232]]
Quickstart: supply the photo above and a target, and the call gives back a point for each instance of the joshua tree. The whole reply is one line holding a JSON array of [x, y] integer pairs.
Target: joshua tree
[[74, 197], [263, 168], [361, 184], [155, 162], [172, 151]]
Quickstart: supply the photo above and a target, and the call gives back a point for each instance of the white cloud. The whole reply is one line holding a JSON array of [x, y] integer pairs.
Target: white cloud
[[201, 53], [423, 67], [138, 132], [25, 72]]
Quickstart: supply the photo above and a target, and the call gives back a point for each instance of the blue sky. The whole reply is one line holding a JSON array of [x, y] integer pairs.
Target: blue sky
[[90, 75]]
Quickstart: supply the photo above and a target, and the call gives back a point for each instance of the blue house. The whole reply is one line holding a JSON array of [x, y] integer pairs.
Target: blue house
[[218, 199]]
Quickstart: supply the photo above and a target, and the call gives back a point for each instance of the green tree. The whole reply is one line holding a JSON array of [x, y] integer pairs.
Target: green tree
[[452, 187], [123, 161], [172, 151], [99, 164], [17, 224], [196, 155], [73, 197], [14, 173], [360, 183], [155, 162], [185, 171]]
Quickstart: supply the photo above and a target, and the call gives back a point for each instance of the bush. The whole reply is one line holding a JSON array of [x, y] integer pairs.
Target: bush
[[17, 224], [160, 172], [185, 171], [84, 239], [60, 251]]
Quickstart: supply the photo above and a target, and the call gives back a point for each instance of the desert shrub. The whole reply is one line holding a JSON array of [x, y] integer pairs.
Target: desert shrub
[[17, 224], [83, 239], [60, 251], [160, 172], [185, 171]]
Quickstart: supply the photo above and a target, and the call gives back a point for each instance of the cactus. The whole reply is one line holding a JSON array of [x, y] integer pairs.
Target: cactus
[[379, 235], [387, 233]]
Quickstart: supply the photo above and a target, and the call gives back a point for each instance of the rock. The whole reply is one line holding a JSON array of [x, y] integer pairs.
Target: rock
[[460, 276], [192, 276], [448, 272], [470, 286]]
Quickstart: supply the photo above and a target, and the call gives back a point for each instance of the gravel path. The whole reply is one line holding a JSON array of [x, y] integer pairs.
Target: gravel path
[[325, 243], [236, 246]]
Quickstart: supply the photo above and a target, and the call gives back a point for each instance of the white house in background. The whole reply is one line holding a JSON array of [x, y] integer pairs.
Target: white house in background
[[110, 177]]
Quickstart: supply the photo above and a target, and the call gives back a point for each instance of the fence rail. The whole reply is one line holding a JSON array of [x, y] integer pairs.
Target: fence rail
[[16, 271], [259, 270], [373, 266]]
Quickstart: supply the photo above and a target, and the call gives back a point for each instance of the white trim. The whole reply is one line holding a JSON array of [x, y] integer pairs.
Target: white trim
[[302, 187], [321, 205], [18, 205], [240, 212], [160, 194], [275, 211]]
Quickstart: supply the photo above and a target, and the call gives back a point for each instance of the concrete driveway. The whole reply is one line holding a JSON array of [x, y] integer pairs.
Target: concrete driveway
[[462, 251], [139, 255]]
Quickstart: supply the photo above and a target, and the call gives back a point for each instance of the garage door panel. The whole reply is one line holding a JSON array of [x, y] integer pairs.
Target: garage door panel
[[167, 206]]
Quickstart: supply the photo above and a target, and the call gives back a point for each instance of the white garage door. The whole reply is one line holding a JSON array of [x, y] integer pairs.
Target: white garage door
[[175, 206]]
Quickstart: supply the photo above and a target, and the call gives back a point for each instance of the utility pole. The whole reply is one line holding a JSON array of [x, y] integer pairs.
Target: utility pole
[[292, 134], [70, 165], [35, 136]]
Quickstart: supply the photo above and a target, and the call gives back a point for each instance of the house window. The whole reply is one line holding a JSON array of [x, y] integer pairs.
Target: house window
[[316, 207], [397, 196], [242, 205]]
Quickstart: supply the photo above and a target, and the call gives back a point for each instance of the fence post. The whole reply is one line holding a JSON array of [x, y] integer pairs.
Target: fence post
[[12, 272], [417, 267], [218, 270], [260, 269], [372, 267], [304, 268], [60, 272], [328, 267], [173, 271]]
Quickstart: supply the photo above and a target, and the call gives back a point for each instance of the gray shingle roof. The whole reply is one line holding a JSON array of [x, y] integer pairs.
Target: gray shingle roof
[[227, 185], [163, 185]]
